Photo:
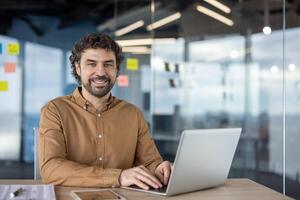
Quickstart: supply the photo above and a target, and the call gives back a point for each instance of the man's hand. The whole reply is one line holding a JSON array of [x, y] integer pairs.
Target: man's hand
[[163, 171], [139, 176]]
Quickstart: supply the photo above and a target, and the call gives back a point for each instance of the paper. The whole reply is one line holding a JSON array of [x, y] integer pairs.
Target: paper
[[13, 48], [45, 192], [123, 81], [132, 64], [9, 67], [3, 86]]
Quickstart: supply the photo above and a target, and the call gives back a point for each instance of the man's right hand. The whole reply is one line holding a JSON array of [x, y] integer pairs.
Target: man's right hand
[[139, 176]]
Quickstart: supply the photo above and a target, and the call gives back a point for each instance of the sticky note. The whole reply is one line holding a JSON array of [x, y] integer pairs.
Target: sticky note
[[167, 67], [132, 64], [172, 83], [123, 81], [3, 86], [9, 67], [177, 68], [13, 48], [0, 48]]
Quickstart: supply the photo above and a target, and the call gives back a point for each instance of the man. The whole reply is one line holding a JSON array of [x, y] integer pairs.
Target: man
[[92, 139]]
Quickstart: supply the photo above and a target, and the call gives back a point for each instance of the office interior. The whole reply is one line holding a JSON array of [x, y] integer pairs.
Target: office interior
[[189, 64]]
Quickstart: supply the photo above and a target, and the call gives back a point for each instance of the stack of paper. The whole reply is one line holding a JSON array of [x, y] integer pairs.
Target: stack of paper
[[28, 192]]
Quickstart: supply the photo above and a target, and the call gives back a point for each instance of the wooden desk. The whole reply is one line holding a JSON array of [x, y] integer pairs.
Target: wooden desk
[[233, 189]]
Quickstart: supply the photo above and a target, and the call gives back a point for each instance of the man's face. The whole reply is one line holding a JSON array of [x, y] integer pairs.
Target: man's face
[[98, 71]]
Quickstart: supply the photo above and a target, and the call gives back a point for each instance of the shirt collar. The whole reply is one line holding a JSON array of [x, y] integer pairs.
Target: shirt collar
[[79, 99]]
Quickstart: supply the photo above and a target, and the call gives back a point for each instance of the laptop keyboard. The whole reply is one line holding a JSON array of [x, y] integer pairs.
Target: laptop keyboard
[[160, 190]]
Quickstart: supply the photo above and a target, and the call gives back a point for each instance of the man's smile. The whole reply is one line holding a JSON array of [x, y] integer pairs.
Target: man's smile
[[99, 83]]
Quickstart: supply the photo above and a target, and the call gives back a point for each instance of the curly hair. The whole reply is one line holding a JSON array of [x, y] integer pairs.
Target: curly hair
[[94, 41]]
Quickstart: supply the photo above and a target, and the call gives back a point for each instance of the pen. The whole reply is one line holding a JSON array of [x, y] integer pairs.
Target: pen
[[15, 193]]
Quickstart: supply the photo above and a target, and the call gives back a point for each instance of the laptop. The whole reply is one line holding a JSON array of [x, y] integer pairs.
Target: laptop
[[203, 160]]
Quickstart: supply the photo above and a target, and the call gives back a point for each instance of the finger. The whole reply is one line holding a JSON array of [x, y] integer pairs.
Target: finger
[[160, 176], [149, 176], [172, 167], [146, 180], [140, 184], [167, 172], [143, 170]]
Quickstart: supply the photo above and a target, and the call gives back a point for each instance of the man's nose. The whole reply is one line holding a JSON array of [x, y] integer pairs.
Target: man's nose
[[100, 70]]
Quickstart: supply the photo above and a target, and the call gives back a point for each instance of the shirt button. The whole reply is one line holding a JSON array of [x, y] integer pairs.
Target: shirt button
[[100, 158], [100, 136], [99, 115]]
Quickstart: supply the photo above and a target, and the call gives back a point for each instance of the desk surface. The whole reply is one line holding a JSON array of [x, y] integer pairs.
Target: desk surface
[[233, 189]]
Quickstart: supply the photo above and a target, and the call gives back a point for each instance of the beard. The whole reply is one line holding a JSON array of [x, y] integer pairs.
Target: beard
[[99, 91]]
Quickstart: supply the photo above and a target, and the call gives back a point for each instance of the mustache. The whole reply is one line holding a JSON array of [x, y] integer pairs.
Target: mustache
[[100, 78]]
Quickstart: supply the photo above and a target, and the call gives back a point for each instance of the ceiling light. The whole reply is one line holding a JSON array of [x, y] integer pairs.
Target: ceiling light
[[215, 15], [292, 67], [219, 5], [145, 41], [163, 21], [274, 69], [267, 30], [137, 50], [129, 28], [234, 54]]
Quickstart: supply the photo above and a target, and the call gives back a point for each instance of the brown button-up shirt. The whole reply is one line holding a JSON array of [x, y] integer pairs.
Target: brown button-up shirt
[[78, 146]]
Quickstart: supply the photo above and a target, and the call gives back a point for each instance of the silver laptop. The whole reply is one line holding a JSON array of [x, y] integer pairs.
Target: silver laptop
[[203, 160]]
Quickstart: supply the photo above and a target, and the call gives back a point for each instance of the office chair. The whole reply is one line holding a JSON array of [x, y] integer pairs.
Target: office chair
[[37, 174]]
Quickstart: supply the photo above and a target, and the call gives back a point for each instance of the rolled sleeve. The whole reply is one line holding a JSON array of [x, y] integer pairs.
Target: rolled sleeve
[[146, 154]]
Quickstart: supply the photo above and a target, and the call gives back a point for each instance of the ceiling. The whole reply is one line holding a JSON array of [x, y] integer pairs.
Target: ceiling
[[102, 13]]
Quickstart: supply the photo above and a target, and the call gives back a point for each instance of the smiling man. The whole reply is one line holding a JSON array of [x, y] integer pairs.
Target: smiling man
[[92, 139]]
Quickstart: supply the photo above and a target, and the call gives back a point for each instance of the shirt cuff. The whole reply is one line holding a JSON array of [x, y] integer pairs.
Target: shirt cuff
[[115, 174], [153, 166]]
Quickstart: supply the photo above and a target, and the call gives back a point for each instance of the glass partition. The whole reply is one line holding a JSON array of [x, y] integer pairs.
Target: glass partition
[[188, 65], [133, 83], [223, 69], [292, 112], [10, 98], [43, 81]]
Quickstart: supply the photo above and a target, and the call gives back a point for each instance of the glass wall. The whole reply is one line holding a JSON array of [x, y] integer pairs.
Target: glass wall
[[43, 81], [231, 73], [134, 83], [199, 67], [292, 90], [10, 98]]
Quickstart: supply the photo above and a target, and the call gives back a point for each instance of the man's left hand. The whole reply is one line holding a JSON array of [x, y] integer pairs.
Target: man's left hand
[[163, 172]]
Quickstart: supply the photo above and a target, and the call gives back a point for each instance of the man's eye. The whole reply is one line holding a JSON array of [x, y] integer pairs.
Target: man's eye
[[92, 64], [108, 65]]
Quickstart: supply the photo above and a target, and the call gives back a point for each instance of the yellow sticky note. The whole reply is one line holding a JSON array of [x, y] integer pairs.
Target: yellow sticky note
[[13, 48], [3, 86], [132, 64]]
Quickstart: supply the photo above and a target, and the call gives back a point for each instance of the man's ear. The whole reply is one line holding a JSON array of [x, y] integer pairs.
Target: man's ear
[[78, 68]]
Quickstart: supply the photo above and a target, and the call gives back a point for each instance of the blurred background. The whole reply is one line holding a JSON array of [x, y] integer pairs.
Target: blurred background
[[188, 64]]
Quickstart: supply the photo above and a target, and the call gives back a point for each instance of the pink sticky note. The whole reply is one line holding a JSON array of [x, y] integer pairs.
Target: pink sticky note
[[123, 81], [9, 67]]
